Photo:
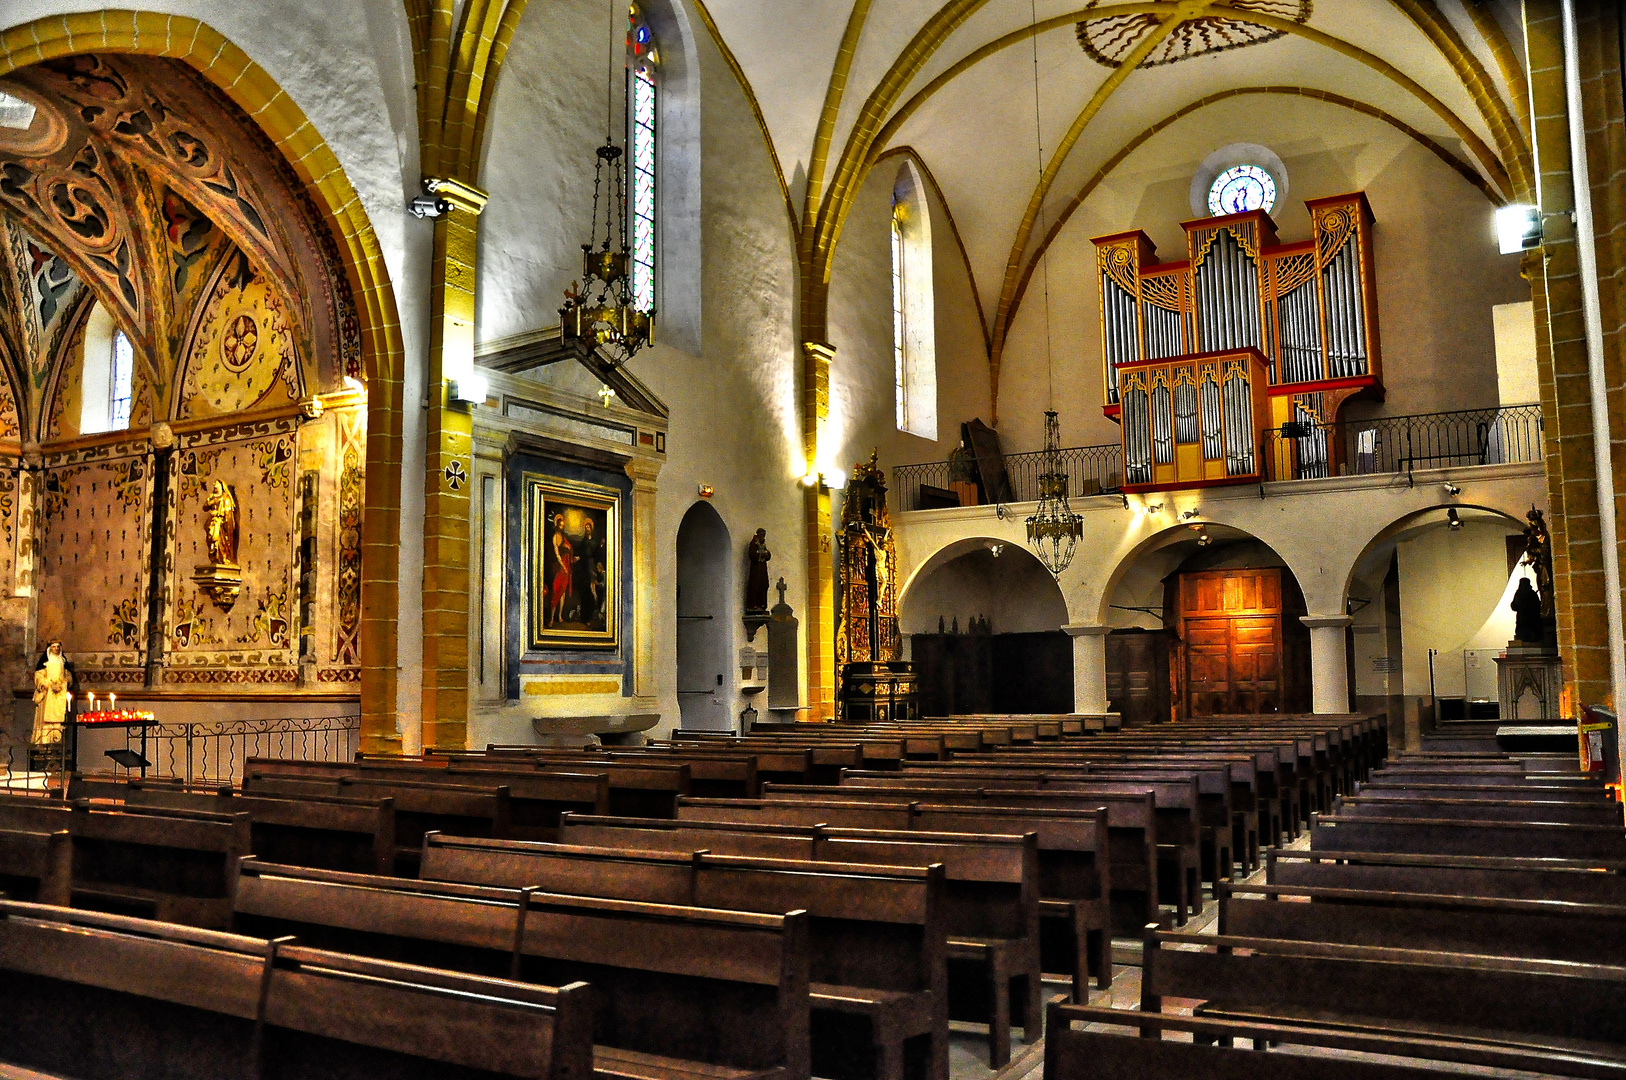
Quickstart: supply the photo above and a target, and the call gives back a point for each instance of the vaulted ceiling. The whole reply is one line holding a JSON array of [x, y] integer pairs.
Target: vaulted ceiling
[[840, 83]]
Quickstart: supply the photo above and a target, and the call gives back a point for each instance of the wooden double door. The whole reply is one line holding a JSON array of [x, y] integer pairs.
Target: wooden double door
[[1242, 647]]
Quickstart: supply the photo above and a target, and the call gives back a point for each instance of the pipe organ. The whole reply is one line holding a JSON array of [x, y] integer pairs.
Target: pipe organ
[[1194, 420], [1307, 311]]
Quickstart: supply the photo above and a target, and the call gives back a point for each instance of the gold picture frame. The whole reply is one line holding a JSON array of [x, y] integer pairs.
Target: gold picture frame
[[573, 576]]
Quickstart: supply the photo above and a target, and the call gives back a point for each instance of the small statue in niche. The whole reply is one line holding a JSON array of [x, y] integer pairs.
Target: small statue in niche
[[53, 696], [1526, 607], [221, 579], [756, 577], [221, 507], [1538, 555]]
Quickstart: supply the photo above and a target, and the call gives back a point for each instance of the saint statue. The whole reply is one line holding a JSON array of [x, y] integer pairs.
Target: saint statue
[[221, 507], [1526, 607], [1538, 555], [756, 577], [53, 694]]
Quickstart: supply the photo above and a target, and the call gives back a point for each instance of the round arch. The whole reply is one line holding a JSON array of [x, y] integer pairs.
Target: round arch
[[1013, 576], [230, 70]]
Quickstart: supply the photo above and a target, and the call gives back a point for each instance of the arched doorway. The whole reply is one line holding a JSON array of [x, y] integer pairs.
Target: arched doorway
[[1205, 621], [705, 581], [982, 625]]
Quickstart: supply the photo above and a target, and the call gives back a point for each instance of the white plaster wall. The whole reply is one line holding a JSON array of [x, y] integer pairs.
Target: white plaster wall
[[1439, 274], [1451, 584], [863, 413], [349, 68], [734, 423]]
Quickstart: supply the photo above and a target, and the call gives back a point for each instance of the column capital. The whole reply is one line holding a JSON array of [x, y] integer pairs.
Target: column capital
[[642, 471], [1317, 622], [1086, 630]]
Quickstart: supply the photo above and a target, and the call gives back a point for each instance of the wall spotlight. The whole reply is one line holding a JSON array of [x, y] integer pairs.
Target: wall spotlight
[[1451, 489], [995, 549], [428, 207], [1189, 514], [706, 491], [1125, 498], [1452, 520], [1152, 508]]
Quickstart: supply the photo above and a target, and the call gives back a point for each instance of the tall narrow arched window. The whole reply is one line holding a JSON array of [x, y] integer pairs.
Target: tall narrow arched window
[[107, 377], [914, 317], [643, 62]]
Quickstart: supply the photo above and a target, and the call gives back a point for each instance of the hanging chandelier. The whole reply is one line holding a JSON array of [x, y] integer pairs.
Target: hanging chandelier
[[1054, 529], [600, 313]]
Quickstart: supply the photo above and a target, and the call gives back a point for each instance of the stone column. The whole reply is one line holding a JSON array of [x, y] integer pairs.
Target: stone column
[[1329, 669], [643, 472], [1089, 667]]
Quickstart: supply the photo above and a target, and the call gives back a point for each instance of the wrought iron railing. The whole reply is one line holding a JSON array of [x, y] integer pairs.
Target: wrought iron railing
[[1090, 470], [1401, 444]]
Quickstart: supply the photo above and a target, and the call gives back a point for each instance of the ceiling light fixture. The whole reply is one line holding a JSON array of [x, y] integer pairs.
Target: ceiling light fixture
[[1452, 520]]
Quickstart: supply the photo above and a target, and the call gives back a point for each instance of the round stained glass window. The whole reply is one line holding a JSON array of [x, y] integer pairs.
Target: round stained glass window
[[1240, 188]]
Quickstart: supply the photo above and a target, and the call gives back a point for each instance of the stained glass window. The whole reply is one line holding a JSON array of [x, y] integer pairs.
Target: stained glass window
[[1240, 188], [120, 375], [900, 381], [642, 63]]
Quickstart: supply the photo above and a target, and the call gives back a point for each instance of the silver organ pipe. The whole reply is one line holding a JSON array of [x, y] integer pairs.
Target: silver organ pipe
[[1239, 434], [1137, 435], [1162, 425], [1118, 328], [1213, 424], [1300, 339], [1312, 447], [1185, 410], [1346, 330]]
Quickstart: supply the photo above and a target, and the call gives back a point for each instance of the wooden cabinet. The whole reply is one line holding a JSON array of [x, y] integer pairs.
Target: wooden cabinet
[[1138, 675]]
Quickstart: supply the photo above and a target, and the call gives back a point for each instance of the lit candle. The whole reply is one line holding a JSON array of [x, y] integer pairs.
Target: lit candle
[[112, 703]]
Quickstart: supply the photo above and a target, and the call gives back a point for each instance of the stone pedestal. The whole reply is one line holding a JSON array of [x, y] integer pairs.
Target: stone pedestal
[[1529, 680]]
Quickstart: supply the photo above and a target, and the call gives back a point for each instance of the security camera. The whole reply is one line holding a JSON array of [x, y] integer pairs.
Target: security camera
[[428, 206]]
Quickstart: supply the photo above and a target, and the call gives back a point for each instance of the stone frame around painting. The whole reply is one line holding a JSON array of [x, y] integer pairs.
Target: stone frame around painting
[[545, 496]]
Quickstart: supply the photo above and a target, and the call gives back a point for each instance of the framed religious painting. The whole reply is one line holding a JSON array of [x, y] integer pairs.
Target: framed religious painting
[[573, 582]]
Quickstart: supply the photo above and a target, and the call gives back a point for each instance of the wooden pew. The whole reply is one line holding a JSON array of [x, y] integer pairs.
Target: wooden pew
[[1123, 1044], [1493, 999], [876, 933], [330, 833], [676, 990], [101, 997], [1132, 831], [835, 811], [991, 895], [1434, 836], [1586, 881], [1511, 809], [1536, 929], [36, 866], [174, 865], [460, 810]]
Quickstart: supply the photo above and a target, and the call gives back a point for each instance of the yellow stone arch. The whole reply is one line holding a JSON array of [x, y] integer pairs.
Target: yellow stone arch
[[254, 91]]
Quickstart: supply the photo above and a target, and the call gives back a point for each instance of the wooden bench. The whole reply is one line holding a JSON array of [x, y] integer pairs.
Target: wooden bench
[[102, 997], [1492, 999], [845, 813], [1122, 1044], [1468, 809], [1536, 929], [36, 866], [174, 865], [991, 895], [876, 936], [330, 833], [1586, 881], [677, 991], [1434, 836], [460, 810]]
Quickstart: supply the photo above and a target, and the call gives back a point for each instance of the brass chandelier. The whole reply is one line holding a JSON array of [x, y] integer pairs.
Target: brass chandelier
[[1055, 528], [600, 313]]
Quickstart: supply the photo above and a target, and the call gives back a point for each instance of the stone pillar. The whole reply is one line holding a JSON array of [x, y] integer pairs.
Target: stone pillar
[[449, 460], [1329, 665], [643, 472], [1089, 667], [816, 517]]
